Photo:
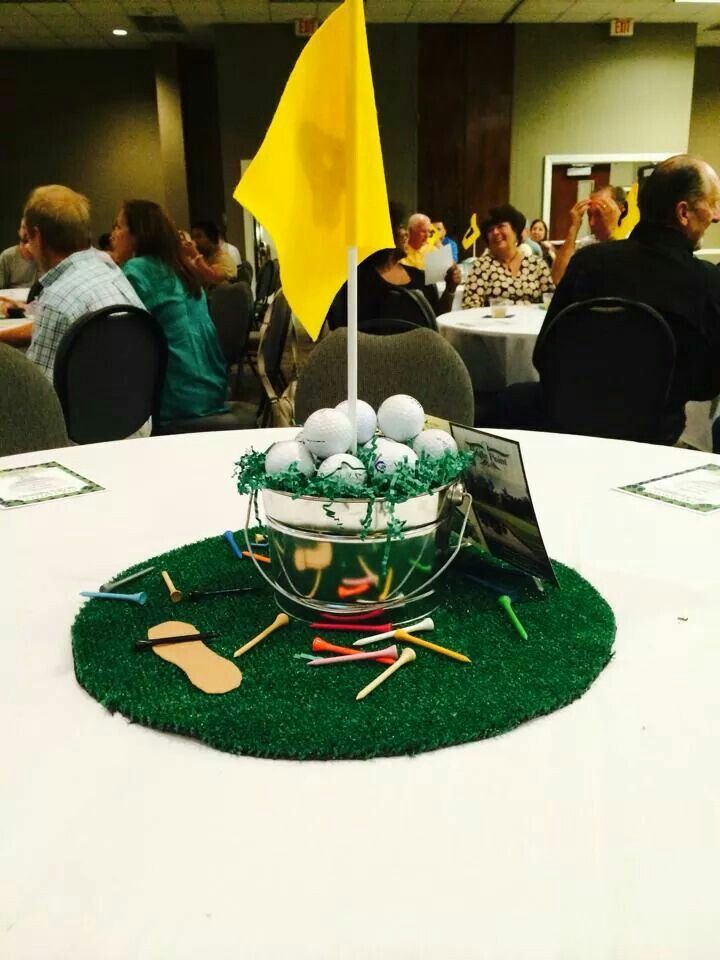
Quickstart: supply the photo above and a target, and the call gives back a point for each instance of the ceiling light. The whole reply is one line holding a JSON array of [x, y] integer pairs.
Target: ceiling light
[[697, 1], [119, 32]]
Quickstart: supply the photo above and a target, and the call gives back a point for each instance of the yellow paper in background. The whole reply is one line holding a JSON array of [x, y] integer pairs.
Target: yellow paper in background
[[631, 218], [472, 233], [317, 184]]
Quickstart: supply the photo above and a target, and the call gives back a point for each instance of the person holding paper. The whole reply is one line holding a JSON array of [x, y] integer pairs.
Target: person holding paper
[[445, 240], [503, 271], [419, 230]]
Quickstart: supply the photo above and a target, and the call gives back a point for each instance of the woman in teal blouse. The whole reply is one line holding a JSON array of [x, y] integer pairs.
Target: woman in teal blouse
[[146, 244]]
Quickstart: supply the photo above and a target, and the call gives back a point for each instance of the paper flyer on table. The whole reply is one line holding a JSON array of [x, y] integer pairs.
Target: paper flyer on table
[[697, 489], [40, 482], [437, 262]]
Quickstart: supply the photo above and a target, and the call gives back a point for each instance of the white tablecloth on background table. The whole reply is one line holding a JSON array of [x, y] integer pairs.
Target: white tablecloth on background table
[[457, 296], [590, 833], [16, 293], [497, 352]]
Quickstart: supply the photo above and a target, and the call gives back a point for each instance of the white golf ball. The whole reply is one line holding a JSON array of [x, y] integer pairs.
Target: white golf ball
[[284, 453], [345, 466], [326, 432], [389, 454], [366, 419], [433, 443], [401, 417]]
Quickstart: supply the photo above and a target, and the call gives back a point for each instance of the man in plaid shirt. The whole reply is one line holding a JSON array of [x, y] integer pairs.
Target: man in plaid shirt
[[75, 279]]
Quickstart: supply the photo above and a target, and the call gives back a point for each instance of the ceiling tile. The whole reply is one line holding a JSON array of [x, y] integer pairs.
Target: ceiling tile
[[284, 12], [387, 11], [241, 11], [488, 11], [433, 11], [325, 9]]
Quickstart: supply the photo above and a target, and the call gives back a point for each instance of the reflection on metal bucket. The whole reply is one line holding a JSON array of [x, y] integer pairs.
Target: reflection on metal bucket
[[325, 562]]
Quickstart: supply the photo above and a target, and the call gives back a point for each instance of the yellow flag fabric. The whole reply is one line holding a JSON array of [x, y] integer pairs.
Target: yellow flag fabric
[[472, 233], [631, 218], [317, 183]]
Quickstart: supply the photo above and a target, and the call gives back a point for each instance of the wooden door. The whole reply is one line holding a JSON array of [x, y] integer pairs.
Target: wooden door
[[564, 194]]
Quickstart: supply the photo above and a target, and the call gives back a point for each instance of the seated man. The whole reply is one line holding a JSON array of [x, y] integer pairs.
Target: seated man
[[74, 278], [656, 266], [605, 209], [17, 267], [419, 228], [211, 263]]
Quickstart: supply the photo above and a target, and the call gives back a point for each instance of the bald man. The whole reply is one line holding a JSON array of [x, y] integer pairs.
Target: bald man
[[655, 265]]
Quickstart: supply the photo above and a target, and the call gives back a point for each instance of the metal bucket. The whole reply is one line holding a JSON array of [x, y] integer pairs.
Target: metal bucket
[[325, 562]]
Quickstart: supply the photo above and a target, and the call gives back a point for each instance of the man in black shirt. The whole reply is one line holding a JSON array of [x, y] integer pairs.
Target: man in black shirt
[[655, 265]]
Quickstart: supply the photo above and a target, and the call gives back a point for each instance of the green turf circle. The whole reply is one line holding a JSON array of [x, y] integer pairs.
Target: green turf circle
[[285, 709]]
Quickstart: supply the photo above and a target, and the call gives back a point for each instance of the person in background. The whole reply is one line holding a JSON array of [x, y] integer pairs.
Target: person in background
[[541, 235], [75, 279], [656, 266], [445, 239], [209, 261], [17, 267], [230, 248], [502, 270], [419, 227], [605, 209], [400, 234], [147, 245]]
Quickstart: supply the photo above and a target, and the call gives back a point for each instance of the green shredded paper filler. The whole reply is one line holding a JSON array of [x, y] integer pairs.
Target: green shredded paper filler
[[287, 709]]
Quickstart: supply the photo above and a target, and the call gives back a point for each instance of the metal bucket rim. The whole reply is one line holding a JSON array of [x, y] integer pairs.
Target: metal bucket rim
[[365, 500]]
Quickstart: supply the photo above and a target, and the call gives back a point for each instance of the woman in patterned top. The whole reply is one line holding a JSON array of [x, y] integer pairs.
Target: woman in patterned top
[[502, 271]]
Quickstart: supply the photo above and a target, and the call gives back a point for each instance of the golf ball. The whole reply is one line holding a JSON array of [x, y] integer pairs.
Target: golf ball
[[401, 417], [345, 466], [389, 454], [433, 443], [284, 453], [326, 432], [366, 419]]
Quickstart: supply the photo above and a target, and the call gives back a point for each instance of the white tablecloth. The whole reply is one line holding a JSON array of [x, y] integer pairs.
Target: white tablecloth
[[497, 352], [16, 293], [590, 833]]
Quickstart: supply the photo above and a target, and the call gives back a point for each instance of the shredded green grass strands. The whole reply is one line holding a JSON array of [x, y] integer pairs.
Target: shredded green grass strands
[[405, 482]]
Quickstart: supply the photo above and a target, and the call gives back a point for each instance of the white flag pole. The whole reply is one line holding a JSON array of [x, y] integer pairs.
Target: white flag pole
[[352, 342], [352, 201]]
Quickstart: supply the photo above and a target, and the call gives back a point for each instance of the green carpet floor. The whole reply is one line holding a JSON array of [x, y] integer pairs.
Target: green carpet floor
[[285, 709]]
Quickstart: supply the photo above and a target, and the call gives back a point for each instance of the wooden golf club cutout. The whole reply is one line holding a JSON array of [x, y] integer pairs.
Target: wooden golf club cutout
[[204, 668]]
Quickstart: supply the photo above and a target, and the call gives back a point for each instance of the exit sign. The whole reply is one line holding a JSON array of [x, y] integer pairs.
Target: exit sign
[[622, 27], [306, 27]]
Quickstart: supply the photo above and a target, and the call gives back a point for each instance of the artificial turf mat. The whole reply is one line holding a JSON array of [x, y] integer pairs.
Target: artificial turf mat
[[285, 709]]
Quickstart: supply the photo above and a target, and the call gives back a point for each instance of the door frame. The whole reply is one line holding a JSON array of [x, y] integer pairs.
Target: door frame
[[589, 159]]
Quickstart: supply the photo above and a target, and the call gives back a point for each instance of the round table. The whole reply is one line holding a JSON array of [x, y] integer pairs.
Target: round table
[[496, 351], [592, 832]]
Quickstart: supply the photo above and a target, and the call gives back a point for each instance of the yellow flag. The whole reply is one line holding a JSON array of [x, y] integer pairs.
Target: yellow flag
[[317, 183], [472, 233], [631, 218]]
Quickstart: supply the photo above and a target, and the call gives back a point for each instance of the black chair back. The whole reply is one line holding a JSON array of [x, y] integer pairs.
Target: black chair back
[[386, 328], [245, 272], [268, 281], [231, 309], [606, 367], [409, 305], [272, 344], [109, 373]]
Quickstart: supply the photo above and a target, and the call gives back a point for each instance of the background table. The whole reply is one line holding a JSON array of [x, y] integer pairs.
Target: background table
[[590, 833], [499, 351], [16, 293]]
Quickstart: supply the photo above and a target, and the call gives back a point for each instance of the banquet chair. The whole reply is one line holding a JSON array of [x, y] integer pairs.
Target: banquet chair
[[606, 368], [245, 273], [420, 363], [268, 281], [409, 305], [273, 338], [109, 373], [231, 309], [31, 417], [387, 327]]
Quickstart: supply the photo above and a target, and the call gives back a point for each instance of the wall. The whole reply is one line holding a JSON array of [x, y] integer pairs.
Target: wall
[[83, 118], [254, 62], [579, 91], [464, 120], [705, 119]]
